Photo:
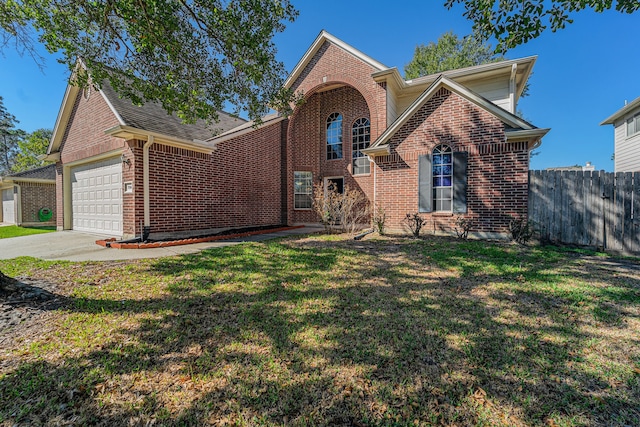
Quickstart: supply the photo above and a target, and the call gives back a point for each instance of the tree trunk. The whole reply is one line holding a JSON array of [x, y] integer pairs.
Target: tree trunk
[[7, 284]]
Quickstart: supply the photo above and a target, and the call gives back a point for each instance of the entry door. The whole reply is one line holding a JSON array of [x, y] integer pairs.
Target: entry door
[[8, 206]]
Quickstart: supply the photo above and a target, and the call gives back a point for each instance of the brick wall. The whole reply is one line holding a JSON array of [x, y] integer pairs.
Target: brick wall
[[35, 196], [236, 186], [358, 95], [84, 137], [307, 143], [497, 171]]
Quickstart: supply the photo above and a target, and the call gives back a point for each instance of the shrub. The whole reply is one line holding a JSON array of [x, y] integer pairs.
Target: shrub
[[340, 211], [463, 226], [521, 230], [414, 222], [379, 220]]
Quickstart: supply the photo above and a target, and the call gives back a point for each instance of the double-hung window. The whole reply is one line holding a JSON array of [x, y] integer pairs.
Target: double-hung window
[[633, 125], [302, 190]]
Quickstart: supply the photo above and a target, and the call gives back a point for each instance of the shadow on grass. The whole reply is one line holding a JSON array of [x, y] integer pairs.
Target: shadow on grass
[[309, 332]]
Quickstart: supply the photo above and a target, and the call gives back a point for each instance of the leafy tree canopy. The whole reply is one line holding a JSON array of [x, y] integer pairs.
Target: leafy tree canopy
[[449, 53], [10, 135], [194, 57], [515, 22], [29, 148]]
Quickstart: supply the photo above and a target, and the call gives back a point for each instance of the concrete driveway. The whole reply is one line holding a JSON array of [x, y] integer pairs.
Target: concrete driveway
[[78, 246]]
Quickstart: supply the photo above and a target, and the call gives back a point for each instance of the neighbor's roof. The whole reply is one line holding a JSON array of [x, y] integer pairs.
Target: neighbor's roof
[[621, 112], [41, 173]]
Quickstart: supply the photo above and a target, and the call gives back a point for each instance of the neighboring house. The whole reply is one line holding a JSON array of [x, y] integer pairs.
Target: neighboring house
[[444, 145], [588, 167], [626, 124], [29, 198]]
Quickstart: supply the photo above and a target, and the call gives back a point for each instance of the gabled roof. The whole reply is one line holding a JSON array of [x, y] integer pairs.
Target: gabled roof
[[43, 173], [149, 117], [517, 127], [621, 112], [315, 47], [247, 127]]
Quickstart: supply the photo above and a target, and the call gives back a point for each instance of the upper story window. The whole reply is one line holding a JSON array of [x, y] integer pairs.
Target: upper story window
[[442, 178], [334, 136], [361, 137], [633, 125]]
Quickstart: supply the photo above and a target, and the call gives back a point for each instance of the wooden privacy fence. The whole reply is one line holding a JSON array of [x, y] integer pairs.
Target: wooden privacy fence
[[600, 209]]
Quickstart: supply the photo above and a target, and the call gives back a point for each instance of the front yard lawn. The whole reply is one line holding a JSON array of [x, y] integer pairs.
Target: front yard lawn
[[322, 330], [15, 231]]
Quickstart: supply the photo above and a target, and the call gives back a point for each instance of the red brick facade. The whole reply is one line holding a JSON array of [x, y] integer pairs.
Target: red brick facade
[[34, 197], [497, 172], [248, 180]]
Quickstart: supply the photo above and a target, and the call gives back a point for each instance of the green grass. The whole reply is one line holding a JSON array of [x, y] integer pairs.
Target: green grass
[[15, 231], [324, 330]]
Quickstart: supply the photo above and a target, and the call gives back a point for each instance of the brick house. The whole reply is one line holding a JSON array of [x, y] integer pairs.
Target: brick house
[[29, 197], [443, 145]]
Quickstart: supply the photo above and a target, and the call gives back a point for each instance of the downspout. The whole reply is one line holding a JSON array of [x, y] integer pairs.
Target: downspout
[[146, 229]]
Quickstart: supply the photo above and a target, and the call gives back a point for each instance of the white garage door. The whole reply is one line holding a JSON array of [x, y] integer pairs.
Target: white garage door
[[8, 206], [96, 190]]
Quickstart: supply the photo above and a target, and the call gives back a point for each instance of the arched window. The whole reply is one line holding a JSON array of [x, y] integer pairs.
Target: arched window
[[361, 137], [334, 136], [442, 178]]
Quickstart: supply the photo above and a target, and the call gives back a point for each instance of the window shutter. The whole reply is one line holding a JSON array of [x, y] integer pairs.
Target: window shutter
[[425, 194], [460, 182]]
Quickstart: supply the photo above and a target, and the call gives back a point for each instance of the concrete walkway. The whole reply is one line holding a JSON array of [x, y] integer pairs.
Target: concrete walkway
[[78, 246]]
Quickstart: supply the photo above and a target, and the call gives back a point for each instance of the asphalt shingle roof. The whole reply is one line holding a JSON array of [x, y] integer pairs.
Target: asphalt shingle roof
[[43, 172], [152, 117]]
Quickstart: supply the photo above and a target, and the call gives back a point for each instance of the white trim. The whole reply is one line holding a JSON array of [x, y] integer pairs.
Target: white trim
[[317, 44], [63, 116], [113, 110], [443, 81], [621, 112]]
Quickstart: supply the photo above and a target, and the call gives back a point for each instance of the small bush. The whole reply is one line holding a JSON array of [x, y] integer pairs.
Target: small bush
[[340, 211], [414, 222], [379, 220], [521, 230], [463, 226]]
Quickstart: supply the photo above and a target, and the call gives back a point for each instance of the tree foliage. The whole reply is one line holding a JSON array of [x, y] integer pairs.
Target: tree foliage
[[29, 148], [10, 135], [515, 22], [194, 57], [449, 53]]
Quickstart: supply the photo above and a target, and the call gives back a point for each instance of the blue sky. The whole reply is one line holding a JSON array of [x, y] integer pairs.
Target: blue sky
[[584, 73]]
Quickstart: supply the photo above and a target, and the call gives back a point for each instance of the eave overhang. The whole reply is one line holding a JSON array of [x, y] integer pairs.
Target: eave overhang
[[532, 136], [129, 132], [380, 150], [621, 112]]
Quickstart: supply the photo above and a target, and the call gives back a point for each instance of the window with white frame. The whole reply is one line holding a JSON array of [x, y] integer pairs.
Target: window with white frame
[[442, 178], [302, 190], [633, 125], [361, 137], [334, 136]]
